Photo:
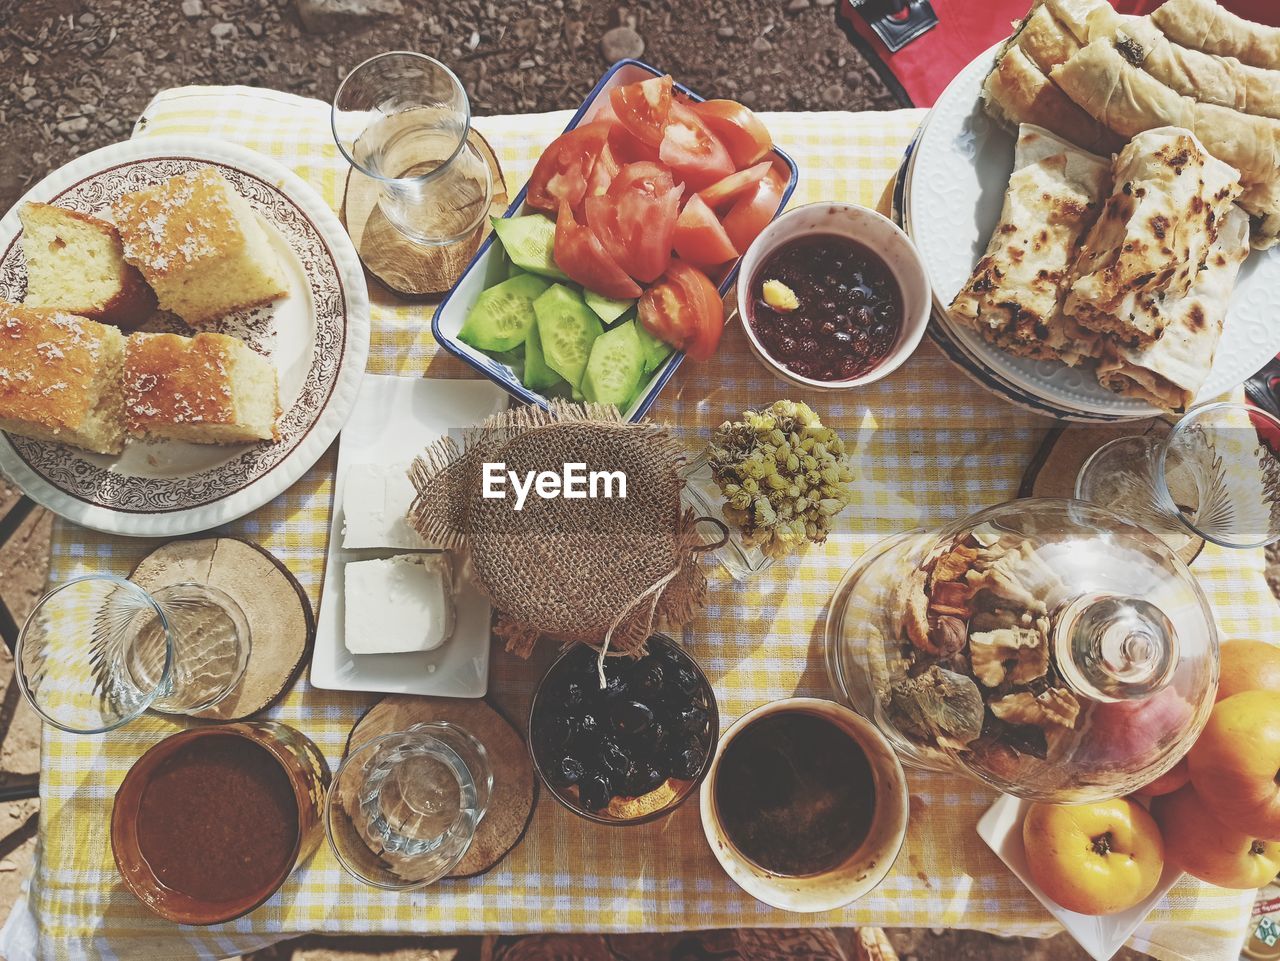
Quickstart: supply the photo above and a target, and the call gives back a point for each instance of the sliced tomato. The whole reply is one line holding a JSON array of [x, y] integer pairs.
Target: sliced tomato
[[752, 213], [642, 108], [694, 154], [580, 254], [684, 310], [699, 237], [602, 174], [636, 219], [736, 185], [562, 171], [740, 130]]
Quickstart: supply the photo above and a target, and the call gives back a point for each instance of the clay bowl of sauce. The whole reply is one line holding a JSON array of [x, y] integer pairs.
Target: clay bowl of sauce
[[805, 806], [210, 822], [833, 296]]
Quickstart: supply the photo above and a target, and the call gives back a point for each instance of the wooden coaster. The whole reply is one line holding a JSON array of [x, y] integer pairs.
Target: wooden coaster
[[515, 784], [1055, 466], [408, 268], [281, 625]]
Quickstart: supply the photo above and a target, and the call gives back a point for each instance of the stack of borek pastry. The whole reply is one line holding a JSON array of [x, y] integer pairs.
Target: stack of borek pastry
[[1127, 265], [1079, 69]]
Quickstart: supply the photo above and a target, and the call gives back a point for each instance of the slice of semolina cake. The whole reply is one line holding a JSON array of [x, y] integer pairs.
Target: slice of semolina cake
[[60, 378], [206, 389], [200, 246], [76, 263]]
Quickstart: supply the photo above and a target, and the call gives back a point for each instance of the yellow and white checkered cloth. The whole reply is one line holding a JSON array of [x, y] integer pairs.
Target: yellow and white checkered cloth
[[929, 446]]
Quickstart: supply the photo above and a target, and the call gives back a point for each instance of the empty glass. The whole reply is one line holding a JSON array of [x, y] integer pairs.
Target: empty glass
[[1215, 475], [404, 807], [99, 650], [402, 119]]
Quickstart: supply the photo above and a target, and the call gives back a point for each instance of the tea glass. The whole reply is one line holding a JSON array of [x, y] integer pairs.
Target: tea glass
[[403, 119], [405, 806], [98, 651], [1216, 475]]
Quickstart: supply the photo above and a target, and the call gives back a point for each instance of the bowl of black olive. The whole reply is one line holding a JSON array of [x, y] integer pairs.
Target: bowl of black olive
[[632, 751]]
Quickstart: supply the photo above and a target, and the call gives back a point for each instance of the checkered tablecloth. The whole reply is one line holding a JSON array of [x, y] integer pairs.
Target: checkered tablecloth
[[928, 446]]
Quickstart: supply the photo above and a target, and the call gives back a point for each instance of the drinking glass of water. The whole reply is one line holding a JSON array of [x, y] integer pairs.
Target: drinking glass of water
[[98, 651], [404, 807], [402, 119]]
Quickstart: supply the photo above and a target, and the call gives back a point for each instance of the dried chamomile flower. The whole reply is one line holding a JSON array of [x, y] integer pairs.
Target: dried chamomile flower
[[783, 475]]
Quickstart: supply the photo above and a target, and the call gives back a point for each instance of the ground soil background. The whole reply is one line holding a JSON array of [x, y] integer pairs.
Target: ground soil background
[[75, 74]]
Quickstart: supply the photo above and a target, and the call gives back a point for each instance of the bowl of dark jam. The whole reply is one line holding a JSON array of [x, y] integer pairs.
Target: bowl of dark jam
[[629, 752], [833, 296]]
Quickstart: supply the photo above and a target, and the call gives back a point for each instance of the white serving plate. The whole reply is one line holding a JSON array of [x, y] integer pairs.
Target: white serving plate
[[953, 201], [394, 419], [1101, 937], [317, 338], [485, 267]]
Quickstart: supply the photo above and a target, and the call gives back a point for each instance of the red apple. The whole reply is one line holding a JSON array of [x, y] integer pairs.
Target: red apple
[[1204, 847]]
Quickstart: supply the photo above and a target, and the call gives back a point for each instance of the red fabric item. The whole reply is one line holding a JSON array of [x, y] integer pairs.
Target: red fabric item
[[925, 66]]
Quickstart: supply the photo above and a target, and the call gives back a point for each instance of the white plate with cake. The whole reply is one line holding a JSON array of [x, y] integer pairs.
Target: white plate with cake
[[1077, 87], [184, 325]]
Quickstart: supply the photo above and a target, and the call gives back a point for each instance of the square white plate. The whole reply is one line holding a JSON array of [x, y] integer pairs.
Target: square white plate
[[1101, 937], [394, 419]]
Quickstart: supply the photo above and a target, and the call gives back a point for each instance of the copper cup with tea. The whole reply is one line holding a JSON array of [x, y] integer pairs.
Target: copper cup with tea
[[210, 822]]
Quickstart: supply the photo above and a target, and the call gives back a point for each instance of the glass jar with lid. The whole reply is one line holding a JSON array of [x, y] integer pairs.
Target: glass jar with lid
[[1044, 646]]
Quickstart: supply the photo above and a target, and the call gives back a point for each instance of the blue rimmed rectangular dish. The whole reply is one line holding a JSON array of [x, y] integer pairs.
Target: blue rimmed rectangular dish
[[484, 266]]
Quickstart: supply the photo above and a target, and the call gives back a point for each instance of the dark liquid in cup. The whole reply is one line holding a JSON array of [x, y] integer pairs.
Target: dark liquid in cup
[[795, 794], [218, 820]]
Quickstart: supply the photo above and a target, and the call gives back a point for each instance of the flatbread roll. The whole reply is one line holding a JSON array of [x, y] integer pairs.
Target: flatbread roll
[[1046, 41], [1206, 26], [1153, 234], [1262, 203], [1012, 299], [1206, 77], [1088, 20], [1129, 100], [1170, 371], [1017, 92]]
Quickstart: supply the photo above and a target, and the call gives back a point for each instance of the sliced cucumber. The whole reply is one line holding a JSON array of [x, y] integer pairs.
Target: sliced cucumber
[[500, 318], [655, 350], [537, 375], [567, 328], [530, 243], [615, 366], [514, 271], [606, 308]]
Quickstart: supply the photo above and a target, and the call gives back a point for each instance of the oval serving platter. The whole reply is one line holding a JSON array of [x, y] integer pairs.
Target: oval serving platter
[[317, 337], [953, 202]]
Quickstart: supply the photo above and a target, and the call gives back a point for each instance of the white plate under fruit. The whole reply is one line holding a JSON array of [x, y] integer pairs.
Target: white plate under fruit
[[952, 203], [1100, 936], [394, 420], [317, 337]]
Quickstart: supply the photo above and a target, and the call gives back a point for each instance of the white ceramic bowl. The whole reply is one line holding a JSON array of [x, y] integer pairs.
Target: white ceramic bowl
[[866, 867], [868, 228]]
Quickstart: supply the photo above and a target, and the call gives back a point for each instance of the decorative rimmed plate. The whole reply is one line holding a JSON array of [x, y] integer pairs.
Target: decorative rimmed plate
[[953, 201], [317, 337]]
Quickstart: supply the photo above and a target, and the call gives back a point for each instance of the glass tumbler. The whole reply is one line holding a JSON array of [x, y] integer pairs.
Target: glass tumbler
[[404, 807], [1216, 475], [402, 119], [99, 650]]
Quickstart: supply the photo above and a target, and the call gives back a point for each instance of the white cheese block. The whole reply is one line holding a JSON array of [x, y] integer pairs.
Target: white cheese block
[[398, 605], [375, 500]]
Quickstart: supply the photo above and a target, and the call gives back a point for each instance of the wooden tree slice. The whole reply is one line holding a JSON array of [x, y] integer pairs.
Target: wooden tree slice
[[408, 268], [282, 627], [1055, 466], [515, 784]]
